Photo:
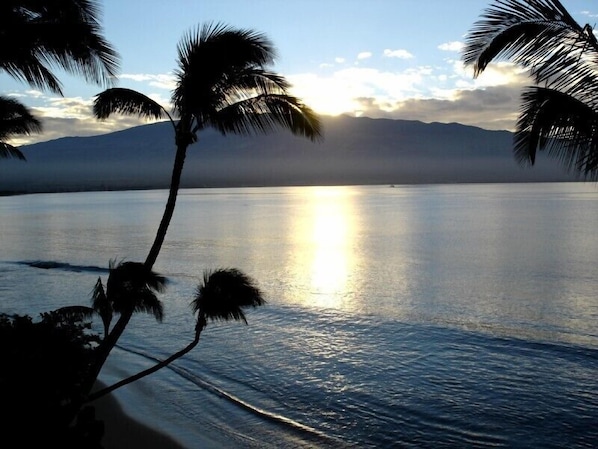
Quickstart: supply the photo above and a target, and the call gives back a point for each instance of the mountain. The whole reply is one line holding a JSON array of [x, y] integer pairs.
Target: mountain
[[353, 151]]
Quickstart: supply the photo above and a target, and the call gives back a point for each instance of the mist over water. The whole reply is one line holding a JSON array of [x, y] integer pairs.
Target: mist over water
[[421, 316]]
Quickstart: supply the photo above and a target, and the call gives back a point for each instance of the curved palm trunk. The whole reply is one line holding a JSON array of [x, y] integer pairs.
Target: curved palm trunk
[[201, 324], [175, 182], [103, 351], [112, 338]]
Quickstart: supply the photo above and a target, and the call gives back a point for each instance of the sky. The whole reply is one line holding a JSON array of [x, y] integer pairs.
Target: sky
[[398, 59]]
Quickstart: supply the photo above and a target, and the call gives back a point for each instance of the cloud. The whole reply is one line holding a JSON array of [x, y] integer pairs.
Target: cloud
[[364, 55], [72, 116], [335, 93], [492, 108], [588, 14], [454, 46], [400, 53], [160, 81], [423, 93]]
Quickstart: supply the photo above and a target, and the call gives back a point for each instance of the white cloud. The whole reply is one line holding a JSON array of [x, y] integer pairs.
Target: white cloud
[[339, 60], [454, 46], [421, 93], [400, 53], [72, 116], [160, 81], [364, 55]]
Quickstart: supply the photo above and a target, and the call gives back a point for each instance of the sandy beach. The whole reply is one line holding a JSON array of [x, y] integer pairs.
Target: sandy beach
[[123, 432]]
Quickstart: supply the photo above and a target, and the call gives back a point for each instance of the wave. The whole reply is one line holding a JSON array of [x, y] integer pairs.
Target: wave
[[308, 433], [54, 265]]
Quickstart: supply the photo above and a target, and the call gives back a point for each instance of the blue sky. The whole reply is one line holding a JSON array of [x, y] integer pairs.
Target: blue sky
[[376, 58]]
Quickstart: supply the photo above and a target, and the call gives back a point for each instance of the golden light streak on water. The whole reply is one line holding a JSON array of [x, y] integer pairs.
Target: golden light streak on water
[[323, 240]]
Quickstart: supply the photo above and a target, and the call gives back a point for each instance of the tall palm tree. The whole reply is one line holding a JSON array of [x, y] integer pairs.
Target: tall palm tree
[[45, 35], [559, 113], [222, 296], [222, 81]]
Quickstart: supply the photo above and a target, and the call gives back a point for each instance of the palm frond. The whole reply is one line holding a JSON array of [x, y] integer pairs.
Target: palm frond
[[64, 34], [538, 34], [224, 294], [132, 287], [126, 101], [16, 119], [74, 313], [263, 113], [8, 151], [561, 124], [29, 69], [226, 47], [101, 305], [210, 57]]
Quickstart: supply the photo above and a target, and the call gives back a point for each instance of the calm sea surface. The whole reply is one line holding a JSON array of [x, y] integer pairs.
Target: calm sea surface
[[438, 316]]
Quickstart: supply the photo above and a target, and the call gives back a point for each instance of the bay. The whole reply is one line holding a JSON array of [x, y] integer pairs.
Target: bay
[[397, 316]]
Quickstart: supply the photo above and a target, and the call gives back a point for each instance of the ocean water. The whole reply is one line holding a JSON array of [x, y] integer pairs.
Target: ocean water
[[431, 316]]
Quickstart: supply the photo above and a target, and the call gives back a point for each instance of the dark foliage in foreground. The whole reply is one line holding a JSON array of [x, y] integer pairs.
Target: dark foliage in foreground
[[43, 365]]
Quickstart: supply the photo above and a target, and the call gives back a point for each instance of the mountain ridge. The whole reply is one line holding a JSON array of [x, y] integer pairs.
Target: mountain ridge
[[353, 151]]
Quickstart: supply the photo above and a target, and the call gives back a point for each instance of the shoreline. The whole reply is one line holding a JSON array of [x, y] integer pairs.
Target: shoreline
[[121, 431]]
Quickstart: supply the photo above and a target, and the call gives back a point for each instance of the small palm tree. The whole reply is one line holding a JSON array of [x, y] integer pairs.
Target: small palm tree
[[222, 82], [44, 35], [560, 113], [131, 287], [224, 294]]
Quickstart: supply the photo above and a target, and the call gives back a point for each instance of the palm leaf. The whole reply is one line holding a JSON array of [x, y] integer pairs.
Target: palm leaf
[[538, 34], [224, 294], [64, 34], [29, 69], [132, 287], [8, 151], [210, 57], [15, 119], [126, 101], [74, 313], [563, 125], [264, 113], [101, 305]]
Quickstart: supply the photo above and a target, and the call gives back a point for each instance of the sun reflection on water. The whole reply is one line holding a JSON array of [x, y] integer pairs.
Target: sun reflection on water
[[324, 240]]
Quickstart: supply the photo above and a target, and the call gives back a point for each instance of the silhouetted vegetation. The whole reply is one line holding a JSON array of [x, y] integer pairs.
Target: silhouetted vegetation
[[222, 82], [51, 366], [44, 365], [560, 113], [44, 35]]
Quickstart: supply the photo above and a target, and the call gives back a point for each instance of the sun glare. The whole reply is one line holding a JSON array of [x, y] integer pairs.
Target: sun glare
[[324, 239]]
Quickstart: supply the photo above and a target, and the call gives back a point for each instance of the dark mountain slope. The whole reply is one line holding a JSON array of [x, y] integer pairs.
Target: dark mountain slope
[[354, 151]]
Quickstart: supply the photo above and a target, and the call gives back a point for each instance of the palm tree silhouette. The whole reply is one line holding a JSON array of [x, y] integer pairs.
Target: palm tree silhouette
[[223, 295], [131, 287], [221, 82], [560, 113], [45, 35]]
